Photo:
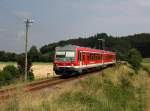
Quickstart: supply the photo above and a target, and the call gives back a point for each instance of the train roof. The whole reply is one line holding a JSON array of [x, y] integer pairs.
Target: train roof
[[74, 47], [67, 47]]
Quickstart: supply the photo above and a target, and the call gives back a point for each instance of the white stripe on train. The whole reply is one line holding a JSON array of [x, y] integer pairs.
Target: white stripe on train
[[89, 65]]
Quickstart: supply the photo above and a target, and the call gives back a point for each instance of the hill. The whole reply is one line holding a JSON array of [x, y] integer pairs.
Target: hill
[[121, 45]]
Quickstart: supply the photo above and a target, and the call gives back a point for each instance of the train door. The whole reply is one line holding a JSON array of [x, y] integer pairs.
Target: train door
[[80, 58], [84, 58]]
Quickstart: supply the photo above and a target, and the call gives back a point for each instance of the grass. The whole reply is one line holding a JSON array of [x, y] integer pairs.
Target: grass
[[14, 63], [107, 94], [146, 65], [120, 89], [146, 60]]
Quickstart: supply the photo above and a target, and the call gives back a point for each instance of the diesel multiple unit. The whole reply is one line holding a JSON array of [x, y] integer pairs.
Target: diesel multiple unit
[[72, 59]]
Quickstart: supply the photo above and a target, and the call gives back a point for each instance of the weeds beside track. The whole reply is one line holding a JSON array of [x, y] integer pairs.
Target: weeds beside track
[[39, 85]]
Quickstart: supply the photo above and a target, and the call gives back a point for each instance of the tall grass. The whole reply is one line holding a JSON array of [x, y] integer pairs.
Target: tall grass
[[120, 89]]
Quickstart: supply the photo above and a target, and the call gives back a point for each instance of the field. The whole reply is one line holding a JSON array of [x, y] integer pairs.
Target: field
[[146, 60], [40, 70], [119, 89]]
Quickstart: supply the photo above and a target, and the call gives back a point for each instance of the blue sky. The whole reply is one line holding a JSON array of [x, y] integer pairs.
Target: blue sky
[[56, 20]]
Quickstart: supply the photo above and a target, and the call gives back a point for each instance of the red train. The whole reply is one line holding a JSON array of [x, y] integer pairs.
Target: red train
[[72, 59]]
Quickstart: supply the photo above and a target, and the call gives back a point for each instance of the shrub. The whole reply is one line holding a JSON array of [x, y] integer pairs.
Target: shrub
[[21, 63], [2, 79], [30, 75], [8, 75], [8, 78], [135, 58], [12, 70], [21, 66]]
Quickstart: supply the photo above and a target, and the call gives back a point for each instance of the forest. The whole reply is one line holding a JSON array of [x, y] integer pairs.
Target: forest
[[120, 44]]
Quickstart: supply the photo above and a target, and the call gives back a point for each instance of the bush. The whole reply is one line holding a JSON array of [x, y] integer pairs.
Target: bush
[[30, 75], [21, 63], [8, 78], [9, 74], [2, 79], [135, 58], [12, 70], [21, 66]]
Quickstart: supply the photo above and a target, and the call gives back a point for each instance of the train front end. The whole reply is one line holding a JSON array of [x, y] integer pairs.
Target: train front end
[[65, 60]]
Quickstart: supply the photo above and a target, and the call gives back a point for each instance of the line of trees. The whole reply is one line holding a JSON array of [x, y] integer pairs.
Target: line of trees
[[121, 45], [8, 56], [34, 54]]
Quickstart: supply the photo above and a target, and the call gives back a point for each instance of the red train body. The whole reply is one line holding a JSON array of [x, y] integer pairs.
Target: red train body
[[73, 59]]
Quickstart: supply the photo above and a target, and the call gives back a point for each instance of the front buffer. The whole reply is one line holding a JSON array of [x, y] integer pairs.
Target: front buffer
[[66, 71]]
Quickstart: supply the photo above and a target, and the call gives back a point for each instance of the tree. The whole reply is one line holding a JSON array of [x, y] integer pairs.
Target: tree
[[21, 66], [45, 58], [34, 54], [135, 58]]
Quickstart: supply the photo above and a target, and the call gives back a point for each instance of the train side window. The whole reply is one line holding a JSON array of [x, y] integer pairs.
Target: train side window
[[109, 57], [97, 56], [90, 56], [94, 56], [100, 56]]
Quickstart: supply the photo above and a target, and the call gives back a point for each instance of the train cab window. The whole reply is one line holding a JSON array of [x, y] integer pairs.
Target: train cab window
[[65, 55]]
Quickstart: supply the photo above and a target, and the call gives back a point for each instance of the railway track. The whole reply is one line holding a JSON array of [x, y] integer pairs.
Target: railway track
[[6, 93], [36, 86]]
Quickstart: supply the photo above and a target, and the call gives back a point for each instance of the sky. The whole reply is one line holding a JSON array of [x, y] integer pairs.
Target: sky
[[56, 20]]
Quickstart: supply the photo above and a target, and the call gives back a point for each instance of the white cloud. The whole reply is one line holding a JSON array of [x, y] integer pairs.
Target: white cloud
[[22, 14]]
